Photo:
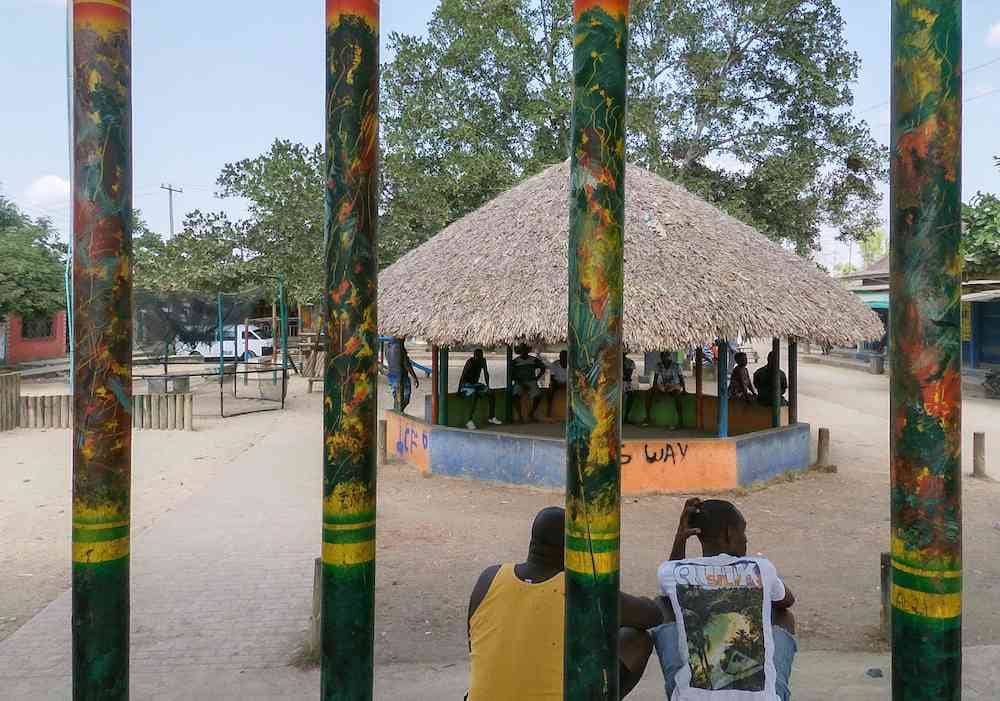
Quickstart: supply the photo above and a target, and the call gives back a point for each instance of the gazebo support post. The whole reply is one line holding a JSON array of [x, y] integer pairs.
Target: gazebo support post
[[699, 388], [435, 382], [509, 394], [722, 368], [102, 332], [594, 420], [443, 364], [925, 350], [351, 374], [776, 392], [793, 381]]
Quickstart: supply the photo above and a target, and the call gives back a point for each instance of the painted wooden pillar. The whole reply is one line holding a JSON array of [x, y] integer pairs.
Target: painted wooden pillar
[[443, 367], [508, 400], [699, 386], [793, 381], [102, 331], [435, 384], [776, 392], [593, 427], [925, 321], [351, 379], [722, 368]]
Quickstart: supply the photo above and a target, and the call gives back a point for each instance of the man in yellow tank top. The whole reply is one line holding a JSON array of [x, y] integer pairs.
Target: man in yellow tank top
[[517, 623]]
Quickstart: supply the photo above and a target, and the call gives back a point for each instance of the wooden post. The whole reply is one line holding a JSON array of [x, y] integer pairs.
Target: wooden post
[[793, 381], [979, 455], [435, 383], [699, 388], [823, 448], [383, 442], [102, 346], [189, 413], [351, 372], [722, 384], [443, 366], [776, 392], [593, 426], [155, 399], [508, 398], [925, 350]]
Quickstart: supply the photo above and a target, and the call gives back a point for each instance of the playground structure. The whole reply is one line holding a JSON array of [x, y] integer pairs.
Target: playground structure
[[189, 342], [926, 484]]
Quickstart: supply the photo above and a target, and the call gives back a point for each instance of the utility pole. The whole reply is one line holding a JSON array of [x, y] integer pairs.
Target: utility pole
[[170, 195]]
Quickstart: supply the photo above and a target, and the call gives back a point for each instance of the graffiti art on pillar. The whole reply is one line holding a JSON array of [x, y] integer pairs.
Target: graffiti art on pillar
[[349, 410], [925, 350], [102, 328], [593, 434]]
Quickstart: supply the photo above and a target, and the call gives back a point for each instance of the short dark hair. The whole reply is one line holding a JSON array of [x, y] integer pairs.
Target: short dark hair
[[740, 357], [714, 516], [478, 352]]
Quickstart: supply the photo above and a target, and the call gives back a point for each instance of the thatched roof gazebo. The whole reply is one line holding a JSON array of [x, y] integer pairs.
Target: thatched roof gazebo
[[692, 274]]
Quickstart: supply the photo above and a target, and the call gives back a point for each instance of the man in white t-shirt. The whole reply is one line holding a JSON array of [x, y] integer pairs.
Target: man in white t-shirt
[[727, 626]]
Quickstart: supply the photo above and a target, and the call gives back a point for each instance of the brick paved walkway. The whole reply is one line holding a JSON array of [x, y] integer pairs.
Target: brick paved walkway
[[221, 586]]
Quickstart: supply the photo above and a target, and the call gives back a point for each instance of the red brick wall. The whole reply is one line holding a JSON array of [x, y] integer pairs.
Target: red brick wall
[[23, 350]]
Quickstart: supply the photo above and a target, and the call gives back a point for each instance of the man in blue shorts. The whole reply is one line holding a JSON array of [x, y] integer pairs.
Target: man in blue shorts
[[470, 386], [727, 624], [527, 370]]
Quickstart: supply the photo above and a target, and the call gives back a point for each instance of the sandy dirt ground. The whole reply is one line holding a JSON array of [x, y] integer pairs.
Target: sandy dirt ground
[[823, 531]]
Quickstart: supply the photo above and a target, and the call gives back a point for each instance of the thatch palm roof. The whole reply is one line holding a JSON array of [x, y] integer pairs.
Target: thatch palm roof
[[692, 274]]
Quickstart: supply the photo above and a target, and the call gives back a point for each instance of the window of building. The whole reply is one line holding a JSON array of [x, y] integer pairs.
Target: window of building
[[37, 327]]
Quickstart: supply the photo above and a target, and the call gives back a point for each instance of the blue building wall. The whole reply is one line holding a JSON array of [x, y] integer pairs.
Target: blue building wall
[[498, 457], [761, 456]]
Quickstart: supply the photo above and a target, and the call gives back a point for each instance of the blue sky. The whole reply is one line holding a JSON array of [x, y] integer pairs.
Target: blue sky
[[216, 81]]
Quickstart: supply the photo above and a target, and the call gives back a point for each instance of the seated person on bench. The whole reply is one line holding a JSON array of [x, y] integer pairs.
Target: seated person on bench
[[727, 621], [517, 623], [558, 374], [527, 370], [667, 380], [763, 381], [629, 385], [740, 386], [470, 386]]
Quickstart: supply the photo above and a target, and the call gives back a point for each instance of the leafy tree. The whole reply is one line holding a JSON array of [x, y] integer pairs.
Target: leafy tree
[[742, 101], [873, 246], [981, 238], [32, 264]]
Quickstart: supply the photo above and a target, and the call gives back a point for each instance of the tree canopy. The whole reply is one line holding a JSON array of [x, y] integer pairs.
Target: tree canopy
[[743, 101], [32, 264], [981, 238]]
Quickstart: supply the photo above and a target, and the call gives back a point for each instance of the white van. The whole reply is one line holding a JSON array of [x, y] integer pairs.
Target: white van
[[238, 341]]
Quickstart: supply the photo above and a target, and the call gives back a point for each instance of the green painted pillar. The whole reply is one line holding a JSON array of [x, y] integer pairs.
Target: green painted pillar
[[793, 381], [443, 387], [351, 378], [925, 351], [593, 427], [102, 331], [776, 383], [722, 385]]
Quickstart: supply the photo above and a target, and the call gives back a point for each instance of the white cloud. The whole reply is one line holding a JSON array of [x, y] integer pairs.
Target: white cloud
[[48, 192], [993, 37]]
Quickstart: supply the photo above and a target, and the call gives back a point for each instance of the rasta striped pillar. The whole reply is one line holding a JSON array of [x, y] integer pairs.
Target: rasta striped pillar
[[593, 430], [102, 332], [925, 415], [350, 397]]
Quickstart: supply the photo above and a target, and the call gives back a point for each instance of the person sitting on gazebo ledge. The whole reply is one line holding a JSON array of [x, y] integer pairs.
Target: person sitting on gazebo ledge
[[667, 380], [740, 386], [470, 386]]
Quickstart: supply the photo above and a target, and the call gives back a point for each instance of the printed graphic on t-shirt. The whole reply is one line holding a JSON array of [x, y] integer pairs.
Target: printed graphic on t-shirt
[[723, 608]]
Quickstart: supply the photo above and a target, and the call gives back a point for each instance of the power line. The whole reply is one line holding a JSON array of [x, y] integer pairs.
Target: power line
[[885, 103]]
